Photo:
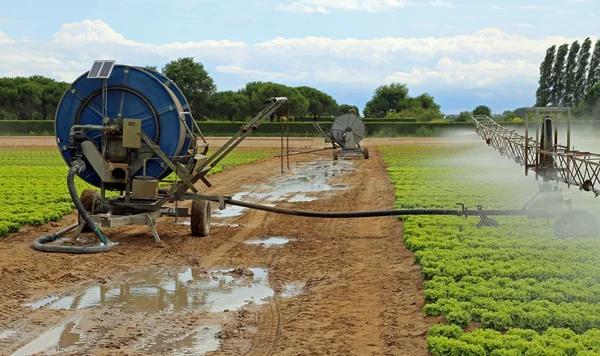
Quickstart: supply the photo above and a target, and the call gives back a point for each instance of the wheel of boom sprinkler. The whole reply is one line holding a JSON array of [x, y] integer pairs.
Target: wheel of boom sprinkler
[[200, 218], [366, 153], [348, 124], [335, 155], [576, 224], [88, 198]]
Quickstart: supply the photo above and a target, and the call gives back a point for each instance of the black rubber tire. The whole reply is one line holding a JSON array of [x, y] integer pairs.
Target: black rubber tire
[[366, 153], [335, 155], [200, 218], [88, 199]]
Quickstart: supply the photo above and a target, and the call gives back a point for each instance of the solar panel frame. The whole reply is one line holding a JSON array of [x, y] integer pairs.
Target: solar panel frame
[[101, 69]]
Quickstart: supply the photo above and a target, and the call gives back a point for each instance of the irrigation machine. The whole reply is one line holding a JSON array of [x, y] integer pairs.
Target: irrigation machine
[[130, 132]]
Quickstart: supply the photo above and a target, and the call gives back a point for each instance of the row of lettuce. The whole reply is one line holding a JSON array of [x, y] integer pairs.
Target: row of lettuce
[[33, 188], [526, 291]]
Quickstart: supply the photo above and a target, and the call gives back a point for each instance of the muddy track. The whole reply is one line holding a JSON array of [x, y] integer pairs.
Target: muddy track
[[359, 293]]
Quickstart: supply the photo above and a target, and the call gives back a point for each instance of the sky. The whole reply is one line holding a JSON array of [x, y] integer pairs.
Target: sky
[[463, 52]]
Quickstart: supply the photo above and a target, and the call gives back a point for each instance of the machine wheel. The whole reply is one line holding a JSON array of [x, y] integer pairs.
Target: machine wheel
[[88, 199], [576, 223], [335, 155], [366, 153], [200, 218]]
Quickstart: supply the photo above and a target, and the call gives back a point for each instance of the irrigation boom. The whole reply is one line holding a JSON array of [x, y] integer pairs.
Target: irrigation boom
[[544, 155]]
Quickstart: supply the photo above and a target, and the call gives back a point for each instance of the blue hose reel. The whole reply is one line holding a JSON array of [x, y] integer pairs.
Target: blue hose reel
[[129, 92]]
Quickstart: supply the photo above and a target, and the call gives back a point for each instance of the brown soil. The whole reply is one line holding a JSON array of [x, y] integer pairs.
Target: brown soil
[[361, 294]]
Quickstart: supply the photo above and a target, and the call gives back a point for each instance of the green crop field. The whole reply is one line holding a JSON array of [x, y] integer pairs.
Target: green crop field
[[33, 187], [524, 291]]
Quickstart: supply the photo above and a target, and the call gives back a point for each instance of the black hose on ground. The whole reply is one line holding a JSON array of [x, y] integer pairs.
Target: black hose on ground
[[379, 213], [39, 243]]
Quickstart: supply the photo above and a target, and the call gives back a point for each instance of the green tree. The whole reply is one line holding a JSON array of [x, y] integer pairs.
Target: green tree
[[483, 110], [558, 84], [345, 108], [48, 92], [385, 99], [258, 92], [319, 102], [193, 80], [508, 115], [583, 60], [543, 93], [594, 73], [570, 75], [154, 68], [590, 105], [428, 102], [228, 105]]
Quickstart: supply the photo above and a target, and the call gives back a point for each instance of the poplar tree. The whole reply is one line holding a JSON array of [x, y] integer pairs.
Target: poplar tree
[[583, 61], [570, 72], [543, 93], [558, 84], [594, 73]]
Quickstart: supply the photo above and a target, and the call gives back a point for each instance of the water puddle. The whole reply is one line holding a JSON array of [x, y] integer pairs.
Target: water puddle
[[308, 178], [55, 339], [192, 288], [6, 334], [291, 290], [199, 342], [299, 198], [42, 302], [271, 241]]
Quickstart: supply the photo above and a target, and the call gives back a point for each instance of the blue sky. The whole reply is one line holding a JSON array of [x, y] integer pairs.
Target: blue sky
[[464, 53]]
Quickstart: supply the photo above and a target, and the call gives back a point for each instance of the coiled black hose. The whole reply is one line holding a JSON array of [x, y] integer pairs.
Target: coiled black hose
[[39, 243]]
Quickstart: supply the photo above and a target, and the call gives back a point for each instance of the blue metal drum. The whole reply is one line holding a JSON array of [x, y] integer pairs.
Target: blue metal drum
[[131, 93]]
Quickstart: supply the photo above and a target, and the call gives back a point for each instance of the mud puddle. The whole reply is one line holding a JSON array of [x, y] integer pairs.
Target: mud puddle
[[198, 342], [55, 339], [157, 290], [307, 178], [270, 241], [292, 289]]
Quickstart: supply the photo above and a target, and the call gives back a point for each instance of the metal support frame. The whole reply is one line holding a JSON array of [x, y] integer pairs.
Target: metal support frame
[[566, 165]]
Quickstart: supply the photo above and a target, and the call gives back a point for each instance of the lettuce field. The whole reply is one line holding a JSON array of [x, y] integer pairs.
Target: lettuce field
[[33, 187], [522, 290]]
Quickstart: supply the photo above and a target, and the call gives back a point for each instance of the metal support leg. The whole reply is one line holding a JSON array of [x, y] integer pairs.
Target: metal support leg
[[150, 223], [79, 229]]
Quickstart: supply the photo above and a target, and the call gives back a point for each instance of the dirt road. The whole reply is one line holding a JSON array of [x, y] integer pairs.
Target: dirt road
[[341, 287]]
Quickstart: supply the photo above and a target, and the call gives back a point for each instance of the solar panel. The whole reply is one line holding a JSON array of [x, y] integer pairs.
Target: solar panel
[[101, 69]]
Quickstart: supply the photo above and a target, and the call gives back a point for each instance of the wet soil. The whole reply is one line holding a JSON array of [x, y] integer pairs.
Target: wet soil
[[336, 287]]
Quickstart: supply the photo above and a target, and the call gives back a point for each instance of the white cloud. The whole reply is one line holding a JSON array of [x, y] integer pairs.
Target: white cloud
[[300, 7], [440, 3], [4, 39], [488, 42], [497, 7], [480, 74], [487, 58], [259, 74], [326, 6]]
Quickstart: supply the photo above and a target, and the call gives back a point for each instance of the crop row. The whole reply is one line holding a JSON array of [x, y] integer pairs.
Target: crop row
[[516, 275]]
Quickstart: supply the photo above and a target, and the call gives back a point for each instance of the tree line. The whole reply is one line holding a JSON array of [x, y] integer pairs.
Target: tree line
[[569, 77], [36, 98]]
